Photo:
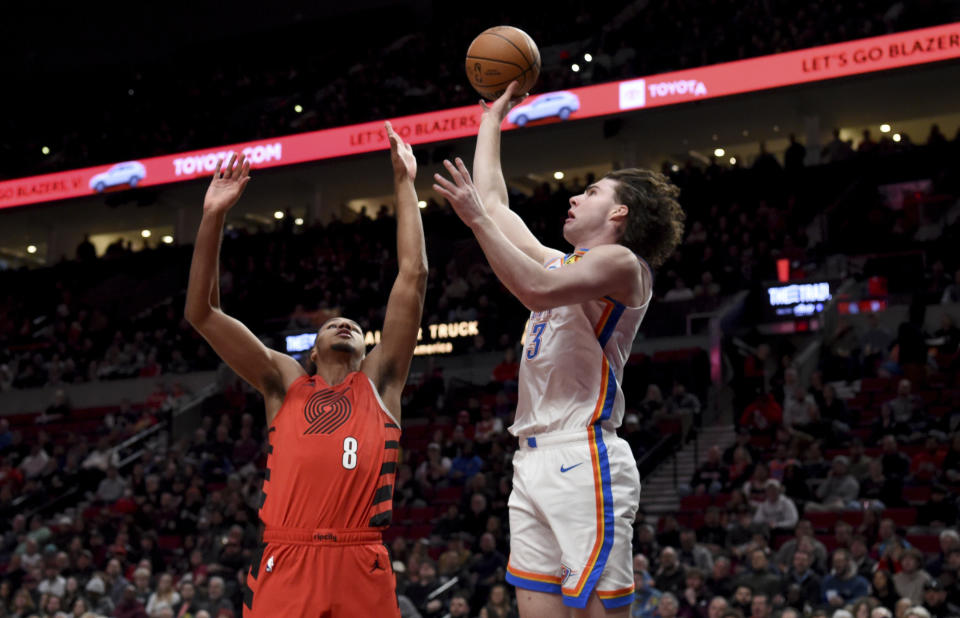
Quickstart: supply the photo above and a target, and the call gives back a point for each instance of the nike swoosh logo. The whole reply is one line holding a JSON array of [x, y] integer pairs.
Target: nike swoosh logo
[[562, 469]]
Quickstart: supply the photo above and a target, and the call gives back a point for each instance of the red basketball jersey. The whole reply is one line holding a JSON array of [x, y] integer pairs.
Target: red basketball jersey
[[332, 457]]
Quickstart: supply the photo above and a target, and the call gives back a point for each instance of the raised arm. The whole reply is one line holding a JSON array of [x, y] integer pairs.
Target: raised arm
[[488, 176], [266, 370], [388, 364], [606, 270]]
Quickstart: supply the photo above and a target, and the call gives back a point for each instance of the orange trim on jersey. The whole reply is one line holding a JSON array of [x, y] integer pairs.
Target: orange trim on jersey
[[615, 594], [537, 577], [604, 317], [598, 492], [604, 385]]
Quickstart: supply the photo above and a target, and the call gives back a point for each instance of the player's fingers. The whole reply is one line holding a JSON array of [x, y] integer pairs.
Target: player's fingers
[[245, 172], [228, 171], [444, 193], [454, 172], [216, 172], [446, 184], [241, 161], [511, 90], [463, 169]]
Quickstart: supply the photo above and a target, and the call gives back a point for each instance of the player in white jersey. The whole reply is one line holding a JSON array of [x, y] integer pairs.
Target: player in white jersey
[[575, 487]]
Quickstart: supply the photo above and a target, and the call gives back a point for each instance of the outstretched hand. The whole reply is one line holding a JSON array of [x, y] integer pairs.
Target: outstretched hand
[[401, 155], [461, 192], [227, 184], [507, 101]]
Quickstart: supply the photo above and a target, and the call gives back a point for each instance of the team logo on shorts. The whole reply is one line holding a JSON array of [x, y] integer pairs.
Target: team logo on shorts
[[270, 563], [565, 573], [326, 411]]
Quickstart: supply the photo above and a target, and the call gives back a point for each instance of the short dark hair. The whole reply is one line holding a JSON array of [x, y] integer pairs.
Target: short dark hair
[[655, 219]]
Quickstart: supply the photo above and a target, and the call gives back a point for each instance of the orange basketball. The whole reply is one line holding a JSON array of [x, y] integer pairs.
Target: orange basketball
[[500, 55]]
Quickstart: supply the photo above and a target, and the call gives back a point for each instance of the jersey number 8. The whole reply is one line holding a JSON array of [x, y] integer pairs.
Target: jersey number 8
[[349, 453]]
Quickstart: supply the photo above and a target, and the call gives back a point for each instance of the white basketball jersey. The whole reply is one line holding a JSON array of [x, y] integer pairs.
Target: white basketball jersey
[[572, 363]]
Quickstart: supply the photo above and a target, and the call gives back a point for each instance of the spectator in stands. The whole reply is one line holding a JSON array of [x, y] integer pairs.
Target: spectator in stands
[[837, 149], [499, 604], [755, 490], [679, 293], [35, 463], [794, 156], [740, 470], [433, 472], [742, 597], [713, 534], [695, 598], [879, 491], [426, 583], [763, 414], [216, 600], [487, 566], [668, 607], [935, 601], [883, 589], [646, 598], [720, 580], [692, 554], [710, 477], [911, 579], [129, 606], [187, 605], [886, 425], [839, 491], [164, 597], [842, 585], [801, 582], [465, 465], [905, 405], [684, 403], [760, 606], [949, 541], [800, 411], [459, 605], [671, 576], [761, 579], [112, 487], [777, 511], [896, 465]]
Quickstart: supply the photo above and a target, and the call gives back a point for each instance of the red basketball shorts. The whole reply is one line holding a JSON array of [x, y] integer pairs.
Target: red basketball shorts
[[323, 573]]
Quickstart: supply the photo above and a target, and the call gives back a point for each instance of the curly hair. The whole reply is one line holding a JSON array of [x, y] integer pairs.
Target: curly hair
[[655, 219]]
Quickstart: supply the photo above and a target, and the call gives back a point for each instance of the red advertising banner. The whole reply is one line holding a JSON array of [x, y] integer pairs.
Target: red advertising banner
[[762, 73]]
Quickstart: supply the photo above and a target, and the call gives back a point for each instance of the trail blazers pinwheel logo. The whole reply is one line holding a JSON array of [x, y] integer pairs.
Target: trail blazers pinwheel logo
[[326, 411]]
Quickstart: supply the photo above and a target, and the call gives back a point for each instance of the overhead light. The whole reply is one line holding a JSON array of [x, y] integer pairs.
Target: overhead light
[[715, 137], [733, 160], [145, 233], [719, 152], [298, 221], [298, 108], [674, 168], [776, 128], [167, 239], [130, 92], [422, 203], [278, 215], [575, 68], [884, 128], [558, 175], [588, 57], [896, 137], [45, 150], [31, 248], [746, 132]]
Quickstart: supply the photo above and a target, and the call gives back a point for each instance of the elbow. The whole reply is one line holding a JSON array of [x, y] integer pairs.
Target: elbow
[[536, 297], [195, 315], [414, 274]]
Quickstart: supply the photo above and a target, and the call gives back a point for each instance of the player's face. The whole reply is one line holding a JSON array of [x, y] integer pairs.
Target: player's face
[[590, 211], [341, 335]]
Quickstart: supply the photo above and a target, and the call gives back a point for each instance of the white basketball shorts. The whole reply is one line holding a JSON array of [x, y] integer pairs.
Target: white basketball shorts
[[575, 496]]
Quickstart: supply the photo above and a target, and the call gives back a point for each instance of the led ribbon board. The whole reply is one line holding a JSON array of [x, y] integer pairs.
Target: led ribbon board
[[810, 65]]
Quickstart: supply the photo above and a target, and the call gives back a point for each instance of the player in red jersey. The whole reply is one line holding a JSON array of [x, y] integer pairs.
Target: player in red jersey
[[333, 436]]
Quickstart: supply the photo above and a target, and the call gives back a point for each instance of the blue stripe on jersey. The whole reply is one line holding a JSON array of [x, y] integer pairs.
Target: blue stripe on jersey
[[612, 321]]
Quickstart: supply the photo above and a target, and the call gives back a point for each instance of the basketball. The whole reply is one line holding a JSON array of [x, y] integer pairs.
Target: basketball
[[500, 55]]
